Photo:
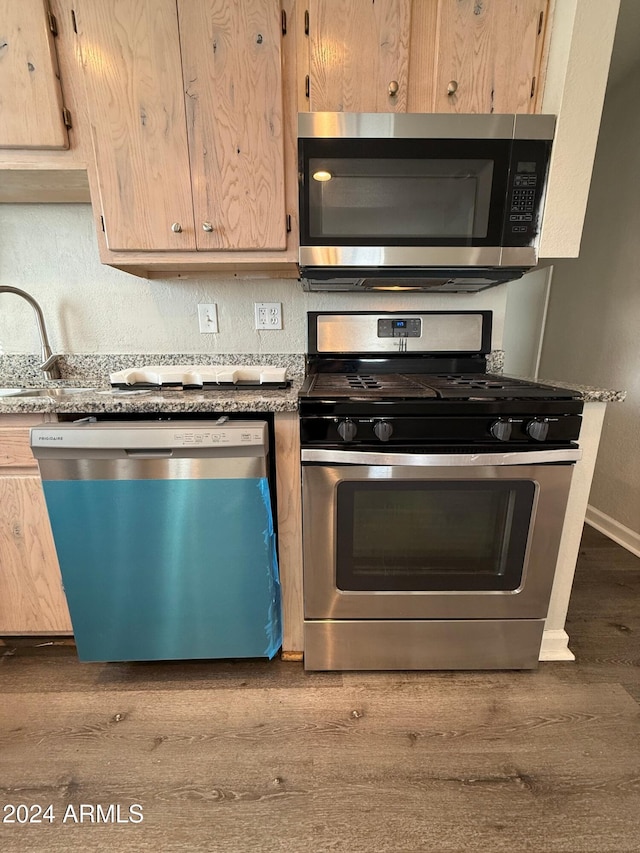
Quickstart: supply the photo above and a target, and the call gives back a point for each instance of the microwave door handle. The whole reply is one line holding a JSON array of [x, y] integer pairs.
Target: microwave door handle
[[430, 460]]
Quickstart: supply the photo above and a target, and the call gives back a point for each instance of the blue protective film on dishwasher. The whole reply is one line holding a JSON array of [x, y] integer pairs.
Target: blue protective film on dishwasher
[[168, 569]]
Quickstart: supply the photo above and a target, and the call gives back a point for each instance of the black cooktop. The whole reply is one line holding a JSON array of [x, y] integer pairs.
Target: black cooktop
[[483, 387]]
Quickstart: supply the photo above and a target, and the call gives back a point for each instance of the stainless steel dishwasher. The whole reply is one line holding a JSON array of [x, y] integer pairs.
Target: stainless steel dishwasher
[[165, 537]]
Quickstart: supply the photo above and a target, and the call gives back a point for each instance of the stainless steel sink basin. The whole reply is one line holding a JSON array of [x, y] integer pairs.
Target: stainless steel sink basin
[[53, 393]]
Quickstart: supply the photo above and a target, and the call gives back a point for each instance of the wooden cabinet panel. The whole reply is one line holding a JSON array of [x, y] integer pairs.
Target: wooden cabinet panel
[[466, 56], [35, 175], [131, 57], [30, 94], [357, 49], [186, 113], [31, 595], [289, 501], [233, 82], [487, 55], [15, 451], [422, 53]]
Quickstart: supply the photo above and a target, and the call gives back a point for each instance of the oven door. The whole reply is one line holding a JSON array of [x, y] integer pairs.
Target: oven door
[[416, 536]]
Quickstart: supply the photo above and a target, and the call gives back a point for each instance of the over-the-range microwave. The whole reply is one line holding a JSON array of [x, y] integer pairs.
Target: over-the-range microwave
[[408, 201]]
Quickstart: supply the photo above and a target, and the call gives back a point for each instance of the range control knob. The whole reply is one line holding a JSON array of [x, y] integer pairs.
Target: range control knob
[[538, 429], [347, 430], [501, 430], [383, 430]]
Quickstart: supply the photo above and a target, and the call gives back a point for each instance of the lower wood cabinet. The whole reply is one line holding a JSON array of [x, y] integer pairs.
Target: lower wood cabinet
[[289, 503], [32, 599]]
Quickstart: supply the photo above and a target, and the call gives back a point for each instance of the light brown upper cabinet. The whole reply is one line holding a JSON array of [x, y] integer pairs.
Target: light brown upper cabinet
[[488, 55], [471, 56], [185, 109], [359, 55], [31, 108]]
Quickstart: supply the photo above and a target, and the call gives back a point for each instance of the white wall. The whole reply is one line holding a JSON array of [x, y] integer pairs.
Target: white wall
[[50, 251], [579, 55], [593, 324], [524, 321]]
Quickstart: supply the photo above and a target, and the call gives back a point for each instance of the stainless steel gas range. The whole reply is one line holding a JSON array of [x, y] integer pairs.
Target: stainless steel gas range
[[434, 495]]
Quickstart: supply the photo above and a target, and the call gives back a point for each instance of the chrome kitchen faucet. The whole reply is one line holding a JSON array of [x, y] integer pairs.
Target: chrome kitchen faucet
[[49, 365]]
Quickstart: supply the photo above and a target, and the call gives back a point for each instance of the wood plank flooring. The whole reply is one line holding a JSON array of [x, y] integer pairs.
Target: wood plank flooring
[[257, 756]]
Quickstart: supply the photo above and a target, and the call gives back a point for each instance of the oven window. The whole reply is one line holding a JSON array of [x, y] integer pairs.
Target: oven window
[[433, 535], [385, 198]]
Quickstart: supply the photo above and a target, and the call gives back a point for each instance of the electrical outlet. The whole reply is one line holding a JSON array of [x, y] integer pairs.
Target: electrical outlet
[[208, 317], [268, 315]]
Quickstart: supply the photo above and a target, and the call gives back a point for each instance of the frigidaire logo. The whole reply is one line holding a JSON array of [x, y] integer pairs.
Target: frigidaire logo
[[50, 438]]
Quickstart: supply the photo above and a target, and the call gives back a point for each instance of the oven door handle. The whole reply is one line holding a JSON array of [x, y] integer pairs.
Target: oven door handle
[[425, 460]]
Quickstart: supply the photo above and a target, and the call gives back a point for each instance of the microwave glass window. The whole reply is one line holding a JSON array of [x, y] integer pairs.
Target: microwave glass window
[[387, 198], [432, 536]]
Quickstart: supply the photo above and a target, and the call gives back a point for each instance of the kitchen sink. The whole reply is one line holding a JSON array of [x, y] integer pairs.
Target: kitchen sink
[[54, 393]]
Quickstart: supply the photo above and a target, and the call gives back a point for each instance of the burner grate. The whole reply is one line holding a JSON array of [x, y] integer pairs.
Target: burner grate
[[462, 381], [361, 381], [445, 386], [367, 384]]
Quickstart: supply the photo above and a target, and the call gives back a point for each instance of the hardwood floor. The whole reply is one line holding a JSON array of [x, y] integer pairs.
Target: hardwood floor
[[257, 756]]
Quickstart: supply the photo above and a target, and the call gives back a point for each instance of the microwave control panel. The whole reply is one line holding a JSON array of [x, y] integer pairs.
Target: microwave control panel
[[528, 170], [523, 198]]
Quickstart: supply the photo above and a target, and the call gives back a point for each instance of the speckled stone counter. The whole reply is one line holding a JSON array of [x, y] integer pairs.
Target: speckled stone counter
[[587, 393], [94, 369], [495, 361], [92, 372], [103, 401]]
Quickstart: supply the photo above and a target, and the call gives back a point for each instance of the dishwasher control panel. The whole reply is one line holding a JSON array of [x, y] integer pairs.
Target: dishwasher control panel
[[229, 436], [149, 435]]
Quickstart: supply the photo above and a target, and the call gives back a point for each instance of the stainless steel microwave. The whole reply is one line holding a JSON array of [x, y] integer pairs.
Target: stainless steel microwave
[[407, 201]]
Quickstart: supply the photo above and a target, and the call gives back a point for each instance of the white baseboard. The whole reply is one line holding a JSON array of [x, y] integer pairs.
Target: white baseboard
[[555, 646], [624, 536]]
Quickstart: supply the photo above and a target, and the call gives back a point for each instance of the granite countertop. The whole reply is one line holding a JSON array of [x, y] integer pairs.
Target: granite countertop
[[587, 393], [92, 372], [101, 401]]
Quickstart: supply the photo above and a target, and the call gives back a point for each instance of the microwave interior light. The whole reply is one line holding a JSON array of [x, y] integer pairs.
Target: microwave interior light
[[322, 175]]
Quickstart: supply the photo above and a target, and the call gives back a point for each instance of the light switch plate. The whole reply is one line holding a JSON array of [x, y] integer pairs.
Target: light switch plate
[[208, 317]]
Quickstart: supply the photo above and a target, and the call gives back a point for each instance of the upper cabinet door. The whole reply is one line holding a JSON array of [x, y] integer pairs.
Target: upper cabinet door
[[359, 55], [30, 96], [488, 52], [131, 57], [233, 83]]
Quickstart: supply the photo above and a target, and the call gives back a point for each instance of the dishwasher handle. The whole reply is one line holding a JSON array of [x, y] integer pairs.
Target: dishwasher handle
[[159, 453]]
